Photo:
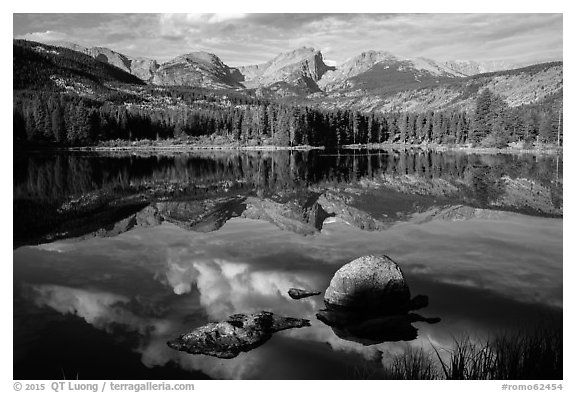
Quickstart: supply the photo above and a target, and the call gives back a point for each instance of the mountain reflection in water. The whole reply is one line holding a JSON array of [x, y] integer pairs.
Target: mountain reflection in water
[[70, 195], [134, 250]]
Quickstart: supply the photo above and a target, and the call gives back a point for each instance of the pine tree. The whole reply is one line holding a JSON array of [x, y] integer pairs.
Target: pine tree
[[546, 132], [482, 124]]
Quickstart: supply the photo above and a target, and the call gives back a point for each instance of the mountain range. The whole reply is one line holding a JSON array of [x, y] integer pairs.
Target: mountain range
[[300, 71], [372, 81]]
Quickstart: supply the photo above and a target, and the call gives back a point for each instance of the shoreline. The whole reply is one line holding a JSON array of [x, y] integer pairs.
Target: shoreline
[[183, 148], [462, 148]]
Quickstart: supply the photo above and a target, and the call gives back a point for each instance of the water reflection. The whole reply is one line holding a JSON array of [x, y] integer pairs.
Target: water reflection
[[70, 195], [160, 281], [134, 250], [375, 329]]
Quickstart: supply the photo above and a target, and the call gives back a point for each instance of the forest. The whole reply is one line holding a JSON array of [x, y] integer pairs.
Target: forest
[[51, 118]]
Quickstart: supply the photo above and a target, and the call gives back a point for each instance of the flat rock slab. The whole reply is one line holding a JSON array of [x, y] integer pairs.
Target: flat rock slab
[[238, 333], [296, 293]]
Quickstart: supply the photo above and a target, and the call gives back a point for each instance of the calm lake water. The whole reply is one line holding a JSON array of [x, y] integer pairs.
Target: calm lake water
[[115, 254]]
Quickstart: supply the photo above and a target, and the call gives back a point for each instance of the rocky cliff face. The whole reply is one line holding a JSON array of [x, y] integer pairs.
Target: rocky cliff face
[[106, 55], [201, 69], [143, 68], [295, 67]]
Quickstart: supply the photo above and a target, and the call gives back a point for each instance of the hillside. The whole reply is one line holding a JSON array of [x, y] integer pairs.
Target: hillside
[[373, 70], [471, 67], [142, 68], [518, 87], [43, 67]]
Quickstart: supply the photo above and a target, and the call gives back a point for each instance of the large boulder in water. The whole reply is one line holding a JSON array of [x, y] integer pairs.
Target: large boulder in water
[[371, 284], [368, 302]]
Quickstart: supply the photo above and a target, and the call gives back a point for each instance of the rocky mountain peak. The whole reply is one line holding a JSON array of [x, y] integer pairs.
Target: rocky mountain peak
[[200, 68], [372, 55], [352, 67], [199, 57], [302, 66], [301, 52], [303, 49]]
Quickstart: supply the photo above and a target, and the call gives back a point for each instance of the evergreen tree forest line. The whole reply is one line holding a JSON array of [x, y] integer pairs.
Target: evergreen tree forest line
[[55, 119]]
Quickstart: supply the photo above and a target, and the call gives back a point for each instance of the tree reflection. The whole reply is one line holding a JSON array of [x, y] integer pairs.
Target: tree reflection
[[50, 189]]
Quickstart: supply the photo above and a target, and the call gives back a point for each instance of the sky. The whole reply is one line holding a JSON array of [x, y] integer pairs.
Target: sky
[[242, 39]]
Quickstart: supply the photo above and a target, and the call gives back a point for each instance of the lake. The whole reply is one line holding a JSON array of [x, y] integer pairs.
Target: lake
[[117, 253]]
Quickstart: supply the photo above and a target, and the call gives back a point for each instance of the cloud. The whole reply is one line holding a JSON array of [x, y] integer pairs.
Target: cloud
[[196, 19], [227, 287], [45, 36], [241, 39], [100, 309]]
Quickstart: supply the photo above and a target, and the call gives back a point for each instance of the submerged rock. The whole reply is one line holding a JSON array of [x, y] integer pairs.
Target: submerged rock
[[369, 330], [238, 333], [369, 283], [296, 293]]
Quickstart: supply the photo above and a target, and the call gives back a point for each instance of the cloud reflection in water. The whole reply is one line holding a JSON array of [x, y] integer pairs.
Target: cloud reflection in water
[[249, 265]]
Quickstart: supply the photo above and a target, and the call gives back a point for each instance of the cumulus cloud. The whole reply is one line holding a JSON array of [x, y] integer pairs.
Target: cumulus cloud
[[192, 19], [227, 287], [98, 308]]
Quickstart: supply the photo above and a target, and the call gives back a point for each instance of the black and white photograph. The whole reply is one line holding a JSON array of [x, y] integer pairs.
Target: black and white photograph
[[287, 196]]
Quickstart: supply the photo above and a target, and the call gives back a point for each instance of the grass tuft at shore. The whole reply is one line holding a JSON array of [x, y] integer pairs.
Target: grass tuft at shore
[[530, 355]]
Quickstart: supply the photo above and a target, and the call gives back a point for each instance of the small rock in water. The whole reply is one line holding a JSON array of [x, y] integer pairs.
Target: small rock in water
[[238, 333], [296, 293]]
